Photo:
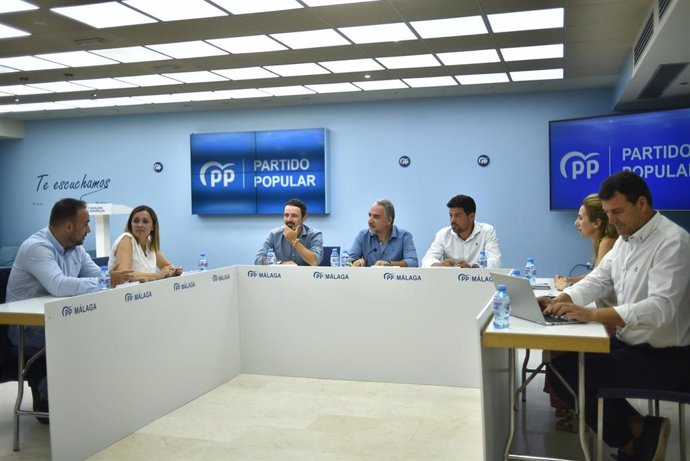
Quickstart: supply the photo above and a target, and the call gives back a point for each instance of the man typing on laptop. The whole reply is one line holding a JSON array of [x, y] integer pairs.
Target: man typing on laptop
[[648, 269]]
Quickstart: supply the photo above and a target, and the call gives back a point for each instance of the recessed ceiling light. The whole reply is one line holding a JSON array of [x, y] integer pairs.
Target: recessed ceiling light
[[175, 10], [378, 33], [60, 87], [77, 59], [164, 98], [37, 106], [248, 44], [9, 32], [103, 83], [205, 96], [477, 79], [149, 80], [254, 6], [130, 54], [526, 20], [10, 6], [245, 73], [332, 2], [333, 87], [103, 15], [242, 94], [408, 62], [526, 53], [369, 85], [105, 102], [29, 63], [291, 70], [184, 50], [351, 65], [458, 58], [286, 90], [21, 90], [527, 75], [201, 76], [311, 39], [450, 27], [424, 82]]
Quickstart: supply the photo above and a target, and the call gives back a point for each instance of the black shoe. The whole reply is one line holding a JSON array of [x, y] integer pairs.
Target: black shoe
[[40, 405], [651, 446]]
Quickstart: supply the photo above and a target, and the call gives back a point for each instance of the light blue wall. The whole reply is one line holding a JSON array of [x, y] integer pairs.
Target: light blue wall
[[443, 137]]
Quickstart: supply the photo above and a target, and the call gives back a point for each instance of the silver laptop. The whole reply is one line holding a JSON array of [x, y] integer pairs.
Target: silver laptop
[[523, 303]]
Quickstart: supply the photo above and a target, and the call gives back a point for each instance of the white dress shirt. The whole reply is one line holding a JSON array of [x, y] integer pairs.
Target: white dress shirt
[[650, 275], [448, 245]]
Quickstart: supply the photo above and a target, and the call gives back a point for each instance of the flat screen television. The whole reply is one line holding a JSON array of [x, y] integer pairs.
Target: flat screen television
[[655, 145], [256, 172]]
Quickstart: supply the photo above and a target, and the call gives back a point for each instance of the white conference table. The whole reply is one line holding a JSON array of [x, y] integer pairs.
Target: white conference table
[[119, 359], [499, 372]]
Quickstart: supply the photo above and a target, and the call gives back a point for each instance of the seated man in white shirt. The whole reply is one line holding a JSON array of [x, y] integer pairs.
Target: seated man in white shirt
[[648, 269], [459, 244]]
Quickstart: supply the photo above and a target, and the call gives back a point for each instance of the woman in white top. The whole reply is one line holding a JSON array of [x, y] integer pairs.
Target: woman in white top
[[139, 247]]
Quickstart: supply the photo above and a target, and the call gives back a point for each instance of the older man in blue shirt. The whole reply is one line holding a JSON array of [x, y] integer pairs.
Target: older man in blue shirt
[[383, 243], [53, 262]]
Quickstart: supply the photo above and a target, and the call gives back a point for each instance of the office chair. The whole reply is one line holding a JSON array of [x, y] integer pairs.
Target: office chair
[[679, 397], [326, 261]]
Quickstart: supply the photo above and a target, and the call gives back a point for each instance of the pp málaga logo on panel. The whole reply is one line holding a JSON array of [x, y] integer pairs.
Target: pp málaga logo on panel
[[256, 172]]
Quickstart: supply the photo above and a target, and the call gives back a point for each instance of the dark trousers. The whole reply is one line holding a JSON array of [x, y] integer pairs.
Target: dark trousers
[[640, 367]]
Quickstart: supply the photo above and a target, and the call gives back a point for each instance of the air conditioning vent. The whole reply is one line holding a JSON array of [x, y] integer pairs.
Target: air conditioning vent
[[662, 78], [643, 41], [663, 6]]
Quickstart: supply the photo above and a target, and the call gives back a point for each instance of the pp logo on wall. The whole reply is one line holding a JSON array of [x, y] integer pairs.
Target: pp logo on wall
[[256, 172], [654, 145]]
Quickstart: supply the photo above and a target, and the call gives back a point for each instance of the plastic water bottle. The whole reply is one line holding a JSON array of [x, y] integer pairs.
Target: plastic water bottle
[[515, 272], [202, 263], [501, 308], [531, 271], [104, 279], [344, 259], [335, 258], [271, 257], [482, 261]]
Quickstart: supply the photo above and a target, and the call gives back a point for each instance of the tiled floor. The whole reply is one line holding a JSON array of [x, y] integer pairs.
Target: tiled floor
[[277, 418]]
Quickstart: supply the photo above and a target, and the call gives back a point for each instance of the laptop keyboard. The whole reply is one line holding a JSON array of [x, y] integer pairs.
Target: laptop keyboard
[[553, 319]]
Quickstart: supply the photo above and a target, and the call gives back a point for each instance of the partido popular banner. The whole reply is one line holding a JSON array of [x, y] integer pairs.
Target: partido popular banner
[[256, 172], [655, 145]]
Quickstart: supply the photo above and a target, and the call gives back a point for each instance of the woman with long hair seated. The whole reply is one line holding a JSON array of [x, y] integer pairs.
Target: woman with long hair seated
[[592, 223], [138, 248]]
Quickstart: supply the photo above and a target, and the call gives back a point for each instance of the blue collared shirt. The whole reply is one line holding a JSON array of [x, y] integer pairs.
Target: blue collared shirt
[[310, 238], [400, 247], [43, 267]]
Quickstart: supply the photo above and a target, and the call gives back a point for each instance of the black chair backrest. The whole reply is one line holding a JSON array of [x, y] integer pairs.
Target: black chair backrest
[[101, 261], [4, 277], [326, 261]]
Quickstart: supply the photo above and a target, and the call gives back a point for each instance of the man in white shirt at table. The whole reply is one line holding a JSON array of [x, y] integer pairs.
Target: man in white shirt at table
[[459, 244], [648, 269], [53, 262]]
